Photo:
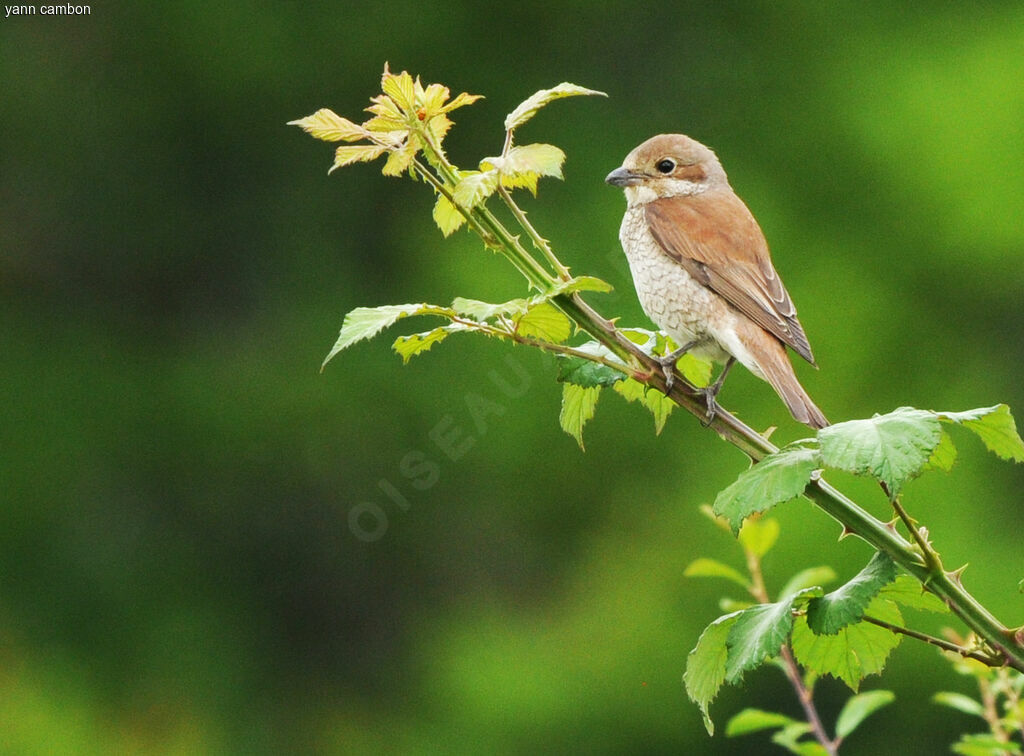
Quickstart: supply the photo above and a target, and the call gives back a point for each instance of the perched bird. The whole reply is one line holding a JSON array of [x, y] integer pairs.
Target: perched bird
[[702, 270]]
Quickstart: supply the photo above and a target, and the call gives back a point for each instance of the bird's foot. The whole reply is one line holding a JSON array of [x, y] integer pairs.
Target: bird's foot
[[710, 394], [668, 364]]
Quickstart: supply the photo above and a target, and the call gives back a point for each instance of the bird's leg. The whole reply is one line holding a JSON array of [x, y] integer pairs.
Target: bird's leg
[[668, 363], [711, 392]]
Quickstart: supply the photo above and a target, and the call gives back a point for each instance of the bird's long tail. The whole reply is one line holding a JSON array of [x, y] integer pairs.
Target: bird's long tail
[[776, 368]]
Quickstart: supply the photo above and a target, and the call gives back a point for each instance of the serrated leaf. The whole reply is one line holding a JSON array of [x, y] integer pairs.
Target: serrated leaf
[[860, 707], [995, 427], [542, 159], [356, 153], [659, 405], [399, 87], [944, 456], [473, 188], [478, 310], [705, 567], [960, 702], [854, 652], [759, 534], [529, 107], [759, 632], [777, 478], [808, 578], [845, 605], [546, 322], [580, 283], [327, 125], [578, 406], [695, 370], [755, 720], [366, 322], [705, 666], [399, 160], [463, 98], [417, 343], [584, 372], [907, 591], [891, 448], [447, 217]]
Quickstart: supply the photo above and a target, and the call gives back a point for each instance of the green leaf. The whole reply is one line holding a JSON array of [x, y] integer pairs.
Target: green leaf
[[854, 652], [704, 567], [960, 702], [984, 745], [860, 707], [845, 605], [545, 322], [586, 373], [327, 125], [531, 160], [417, 343], [399, 87], [755, 720], [529, 107], [580, 283], [473, 188], [944, 456], [482, 311], [447, 217], [758, 535], [356, 153], [659, 404], [705, 665], [789, 738], [812, 576], [578, 406], [759, 632], [695, 370], [366, 322], [777, 478], [995, 427], [892, 448], [907, 591]]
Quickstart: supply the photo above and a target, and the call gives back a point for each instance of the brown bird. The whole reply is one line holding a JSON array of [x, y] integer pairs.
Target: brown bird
[[702, 270]]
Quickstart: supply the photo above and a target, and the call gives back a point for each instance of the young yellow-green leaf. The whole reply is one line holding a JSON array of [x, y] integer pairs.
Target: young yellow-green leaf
[[854, 652], [808, 578], [529, 107], [447, 217], [400, 88], [366, 322], [356, 153], [520, 181], [755, 720], [545, 322], [845, 605], [399, 160], [995, 427], [960, 702], [789, 738], [907, 592], [543, 159], [860, 707], [759, 632], [659, 405], [944, 456], [327, 125], [481, 311], [891, 448], [777, 478], [758, 535], [578, 406], [631, 390], [705, 666], [417, 343], [473, 188], [694, 370], [704, 567], [463, 98]]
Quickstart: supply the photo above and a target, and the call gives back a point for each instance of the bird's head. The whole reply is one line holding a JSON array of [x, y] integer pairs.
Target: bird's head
[[668, 165]]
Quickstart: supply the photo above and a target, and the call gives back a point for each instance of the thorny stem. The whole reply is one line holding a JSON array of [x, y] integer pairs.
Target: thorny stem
[[803, 693], [854, 519], [945, 645], [538, 241]]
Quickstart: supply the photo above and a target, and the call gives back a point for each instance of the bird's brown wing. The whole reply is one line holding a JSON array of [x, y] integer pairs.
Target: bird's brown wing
[[719, 243]]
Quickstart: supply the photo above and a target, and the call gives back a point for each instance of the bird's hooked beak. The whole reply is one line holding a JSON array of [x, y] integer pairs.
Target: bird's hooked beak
[[623, 177]]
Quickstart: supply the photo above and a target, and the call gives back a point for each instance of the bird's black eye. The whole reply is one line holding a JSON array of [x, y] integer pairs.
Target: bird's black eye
[[666, 165]]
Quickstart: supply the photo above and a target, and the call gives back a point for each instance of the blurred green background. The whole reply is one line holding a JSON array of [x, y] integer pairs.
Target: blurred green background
[[178, 573]]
